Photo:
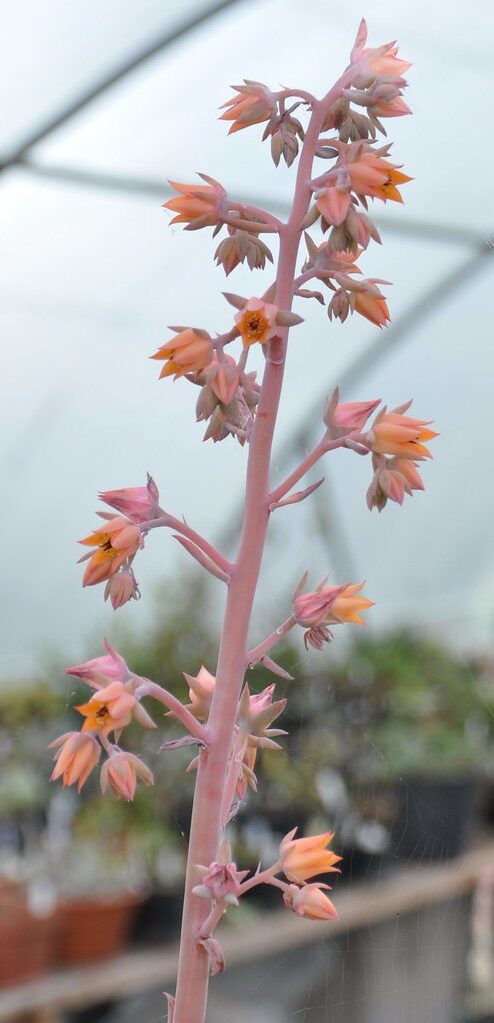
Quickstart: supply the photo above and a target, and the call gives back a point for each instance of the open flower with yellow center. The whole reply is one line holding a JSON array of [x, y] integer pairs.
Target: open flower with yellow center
[[302, 858], [188, 352], [376, 177], [393, 433], [117, 540], [257, 321], [75, 759], [108, 709], [310, 901], [197, 205]]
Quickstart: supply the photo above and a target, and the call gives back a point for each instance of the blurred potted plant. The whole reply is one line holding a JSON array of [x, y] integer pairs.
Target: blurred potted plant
[[417, 724], [27, 918]]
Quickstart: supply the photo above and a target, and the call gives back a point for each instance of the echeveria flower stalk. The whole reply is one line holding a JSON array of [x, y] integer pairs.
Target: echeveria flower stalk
[[227, 727]]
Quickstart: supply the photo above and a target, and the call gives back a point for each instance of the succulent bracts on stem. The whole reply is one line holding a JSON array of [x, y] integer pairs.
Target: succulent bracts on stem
[[220, 882], [256, 712]]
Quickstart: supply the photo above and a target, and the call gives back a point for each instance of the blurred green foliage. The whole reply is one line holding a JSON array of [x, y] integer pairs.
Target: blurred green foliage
[[393, 707]]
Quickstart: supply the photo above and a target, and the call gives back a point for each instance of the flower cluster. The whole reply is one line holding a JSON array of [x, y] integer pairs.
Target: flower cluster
[[396, 441], [228, 395], [403, 438], [376, 85], [115, 702], [115, 544], [328, 605]]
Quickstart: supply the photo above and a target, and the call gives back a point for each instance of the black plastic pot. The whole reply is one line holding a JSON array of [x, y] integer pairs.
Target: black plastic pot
[[434, 818], [158, 919]]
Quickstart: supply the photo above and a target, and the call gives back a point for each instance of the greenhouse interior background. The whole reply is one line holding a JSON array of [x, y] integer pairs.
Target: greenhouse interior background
[[102, 104]]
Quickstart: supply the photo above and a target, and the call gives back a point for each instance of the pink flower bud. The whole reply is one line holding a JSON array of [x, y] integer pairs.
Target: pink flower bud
[[110, 665], [77, 756], [120, 773], [373, 307], [302, 858], [198, 205], [333, 203], [254, 104], [346, 417], [223, 377], [121, 588], [136, 503], [313, 608], [310, 901]]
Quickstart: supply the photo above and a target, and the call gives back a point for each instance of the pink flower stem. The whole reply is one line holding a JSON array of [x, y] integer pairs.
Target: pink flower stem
[[254, 226], [254, 655], [159, 693], [181, 527], [213, 919], [206, 823], [257, 211], [301, 94], [307, 275], [264, 877], [353, 445], [324, 445]]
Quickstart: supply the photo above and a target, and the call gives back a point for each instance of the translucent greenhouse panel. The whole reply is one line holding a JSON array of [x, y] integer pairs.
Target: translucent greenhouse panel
[[50, 53], [91, 283], [429, 564], [161, 121]]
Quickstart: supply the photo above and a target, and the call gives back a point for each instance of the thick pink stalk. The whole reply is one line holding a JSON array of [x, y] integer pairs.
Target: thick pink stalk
[[206, 824]]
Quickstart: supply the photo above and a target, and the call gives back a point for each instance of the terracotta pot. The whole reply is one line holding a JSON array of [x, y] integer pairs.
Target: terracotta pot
[[27, 942], [93, 928]]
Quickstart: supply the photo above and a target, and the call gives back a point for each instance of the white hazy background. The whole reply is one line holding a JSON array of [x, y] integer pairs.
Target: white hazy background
[[90, 277]]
